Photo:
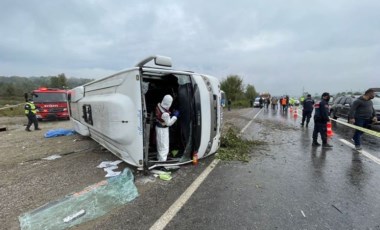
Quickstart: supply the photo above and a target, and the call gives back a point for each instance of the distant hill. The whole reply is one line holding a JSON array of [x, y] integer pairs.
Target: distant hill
[[17, 86]]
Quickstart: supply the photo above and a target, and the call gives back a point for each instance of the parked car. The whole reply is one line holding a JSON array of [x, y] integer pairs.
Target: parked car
[[376, 105], [256, 103], [331, 101], [341, 106]]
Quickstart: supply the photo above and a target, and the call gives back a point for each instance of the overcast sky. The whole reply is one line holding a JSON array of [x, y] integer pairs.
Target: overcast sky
[[280, 46]]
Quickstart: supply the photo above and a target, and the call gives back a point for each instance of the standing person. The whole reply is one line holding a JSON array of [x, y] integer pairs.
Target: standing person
[[261, 102], [321, 117], [229, 104], [287, 101], [30, 112], [307, 109], [283, 104], [267, 102], [274, 102], [362, 114], [163, 122]]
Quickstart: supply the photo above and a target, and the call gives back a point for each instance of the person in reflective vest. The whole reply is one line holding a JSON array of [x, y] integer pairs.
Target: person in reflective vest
[[283, 103], [30, 113], [164, 119], [321, 117]]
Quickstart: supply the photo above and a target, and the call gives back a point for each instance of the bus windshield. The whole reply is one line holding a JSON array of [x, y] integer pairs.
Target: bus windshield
[[49, 97]]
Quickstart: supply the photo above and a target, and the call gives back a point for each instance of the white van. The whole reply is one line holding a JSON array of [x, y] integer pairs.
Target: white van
[[119, 112]]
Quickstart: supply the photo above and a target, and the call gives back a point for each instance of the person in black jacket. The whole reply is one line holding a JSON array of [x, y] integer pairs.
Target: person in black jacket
[[321, 117], [307, 109], [362, 114]]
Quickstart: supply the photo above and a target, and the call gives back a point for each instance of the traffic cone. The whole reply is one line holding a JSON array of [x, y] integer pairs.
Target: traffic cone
[[295, 114], [291, 109], [195, 158], [329, 130]]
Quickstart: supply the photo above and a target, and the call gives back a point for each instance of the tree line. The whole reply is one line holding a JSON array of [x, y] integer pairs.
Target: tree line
[[17, 86], [239, 93]]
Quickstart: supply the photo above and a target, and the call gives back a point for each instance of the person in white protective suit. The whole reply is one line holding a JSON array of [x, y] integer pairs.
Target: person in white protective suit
[[163, 121]]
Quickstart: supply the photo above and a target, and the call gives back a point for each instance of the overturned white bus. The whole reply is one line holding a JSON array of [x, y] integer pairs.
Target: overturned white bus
[[119, 112]]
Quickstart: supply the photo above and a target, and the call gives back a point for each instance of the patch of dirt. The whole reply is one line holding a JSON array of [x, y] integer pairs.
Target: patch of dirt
[[18, 146]]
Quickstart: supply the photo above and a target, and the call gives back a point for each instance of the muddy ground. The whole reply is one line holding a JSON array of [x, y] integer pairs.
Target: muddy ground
[[28, 181]]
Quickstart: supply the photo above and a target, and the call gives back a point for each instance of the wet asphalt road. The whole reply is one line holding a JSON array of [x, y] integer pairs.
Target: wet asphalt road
[[288, 184]]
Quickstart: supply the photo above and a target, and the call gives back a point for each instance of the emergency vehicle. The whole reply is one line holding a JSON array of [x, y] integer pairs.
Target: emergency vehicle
[[118, 112], [51, 103]]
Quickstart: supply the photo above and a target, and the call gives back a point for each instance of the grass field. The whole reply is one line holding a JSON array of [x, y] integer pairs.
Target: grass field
[[11, 101], [13, 111]]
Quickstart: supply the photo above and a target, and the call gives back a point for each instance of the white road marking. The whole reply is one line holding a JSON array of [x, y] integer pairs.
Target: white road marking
[[368, 155], [181, 201], [249, 123], [177, 205]]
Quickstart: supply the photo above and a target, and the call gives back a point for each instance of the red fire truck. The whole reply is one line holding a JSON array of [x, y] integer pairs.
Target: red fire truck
[[51, 103]]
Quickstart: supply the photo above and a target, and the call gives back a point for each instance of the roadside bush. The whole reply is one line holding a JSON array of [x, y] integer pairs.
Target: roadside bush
[[243, 103]]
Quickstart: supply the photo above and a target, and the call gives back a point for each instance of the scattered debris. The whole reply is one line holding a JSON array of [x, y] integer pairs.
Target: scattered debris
[[2, 129], [52, 157], [337, 208], [109, 166], [110, 172], [59, 132], [161, 174], [158, 172], [105, 164], [165, 176], [233, 147], [303, 214], [74, 216], [172, 168]]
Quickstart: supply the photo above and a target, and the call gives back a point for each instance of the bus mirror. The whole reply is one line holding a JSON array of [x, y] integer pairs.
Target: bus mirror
[[163, 61]]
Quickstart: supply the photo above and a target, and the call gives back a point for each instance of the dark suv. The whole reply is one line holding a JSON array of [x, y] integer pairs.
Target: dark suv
[[341, 106], [376, 106]]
